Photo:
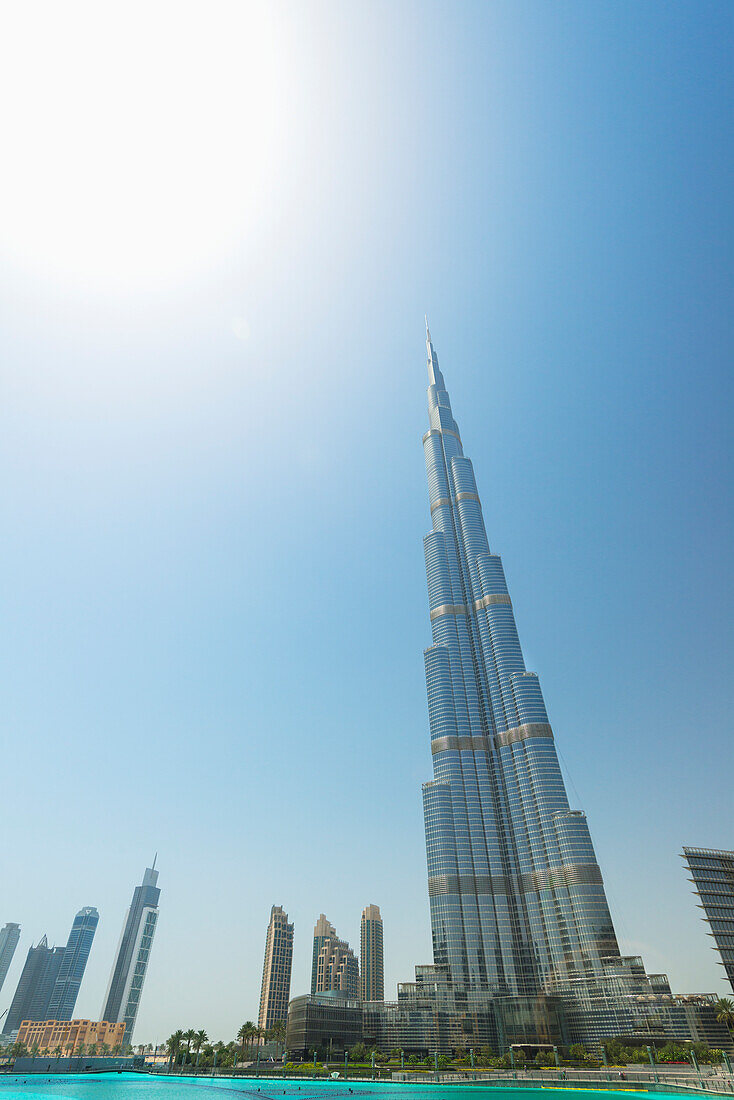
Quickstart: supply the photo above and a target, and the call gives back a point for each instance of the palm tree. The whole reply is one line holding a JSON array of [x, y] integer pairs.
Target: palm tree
[[278, 1032], [243, 1034], [174, 1045], [189, 1036], [724, 1009], [247, 1033], [200, 1038]]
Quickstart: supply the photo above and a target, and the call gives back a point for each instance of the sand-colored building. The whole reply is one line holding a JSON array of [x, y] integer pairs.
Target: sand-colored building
[[71, 1036]]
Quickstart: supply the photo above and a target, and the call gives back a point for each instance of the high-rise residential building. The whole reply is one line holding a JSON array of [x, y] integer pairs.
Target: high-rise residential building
[[35, 987], [336, 965], [517, 900], [323, 930], [73, 964], [276, 983], [712, 875], [371, 959], [125, 988], [9, 936]]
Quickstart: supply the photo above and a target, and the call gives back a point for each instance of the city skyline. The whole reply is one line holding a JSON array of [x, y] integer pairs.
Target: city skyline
[[213, 555]]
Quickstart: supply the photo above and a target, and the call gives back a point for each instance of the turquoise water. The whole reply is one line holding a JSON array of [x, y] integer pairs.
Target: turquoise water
[[135, 1086]]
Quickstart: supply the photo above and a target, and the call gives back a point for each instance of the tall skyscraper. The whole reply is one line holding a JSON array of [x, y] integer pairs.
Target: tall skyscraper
[[35, 987], [517, 899], [712, 875], [276, 983], [371, 961], [125, 988], [9, 936], [73, 964], [322, 931], [336, 966]]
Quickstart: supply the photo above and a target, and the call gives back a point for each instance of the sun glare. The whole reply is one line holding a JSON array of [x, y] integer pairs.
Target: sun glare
[[138, 138]]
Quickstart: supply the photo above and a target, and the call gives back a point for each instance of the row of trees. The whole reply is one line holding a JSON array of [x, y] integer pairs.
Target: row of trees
[[80, 1050], [193, 1047]]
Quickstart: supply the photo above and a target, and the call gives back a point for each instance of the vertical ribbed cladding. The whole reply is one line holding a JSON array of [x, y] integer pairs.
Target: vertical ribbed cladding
[[529, 701], [437, 571], [586, 889], [441, 713], [446, 916]]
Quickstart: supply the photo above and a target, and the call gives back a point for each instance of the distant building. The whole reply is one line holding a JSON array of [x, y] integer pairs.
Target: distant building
[[712, 875], [328, 1023], [73, 964], [125, 988], [276, 983], [70, 1036], [37, 981], [322, 931], [337, 968], [9, 936], [371, 961]]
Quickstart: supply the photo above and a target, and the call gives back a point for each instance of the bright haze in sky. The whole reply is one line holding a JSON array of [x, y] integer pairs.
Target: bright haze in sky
[[220, 227]]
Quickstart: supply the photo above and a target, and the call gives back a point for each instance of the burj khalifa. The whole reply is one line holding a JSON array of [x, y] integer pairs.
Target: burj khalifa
[[518, 905]]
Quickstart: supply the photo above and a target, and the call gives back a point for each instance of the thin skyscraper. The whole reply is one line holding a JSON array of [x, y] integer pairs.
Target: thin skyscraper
[[125, 988], [9, 936], [76, 953], [276, 983], [371, 958]]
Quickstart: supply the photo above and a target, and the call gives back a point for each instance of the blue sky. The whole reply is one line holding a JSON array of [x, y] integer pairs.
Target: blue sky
[[214, 500]]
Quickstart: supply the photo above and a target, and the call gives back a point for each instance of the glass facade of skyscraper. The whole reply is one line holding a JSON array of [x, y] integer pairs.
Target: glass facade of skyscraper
[[65, 992], [35, 987]]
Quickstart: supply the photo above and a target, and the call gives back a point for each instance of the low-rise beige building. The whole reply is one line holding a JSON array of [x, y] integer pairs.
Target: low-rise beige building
[[71, 1036]]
